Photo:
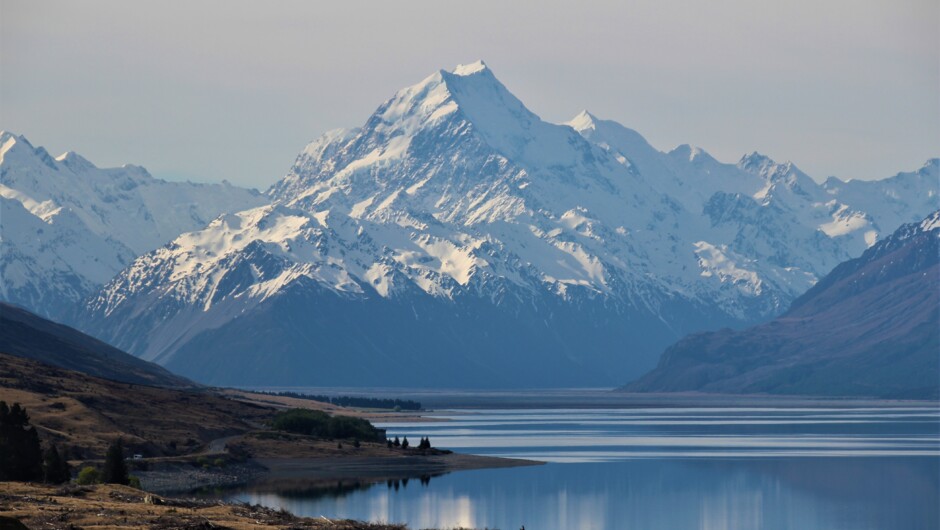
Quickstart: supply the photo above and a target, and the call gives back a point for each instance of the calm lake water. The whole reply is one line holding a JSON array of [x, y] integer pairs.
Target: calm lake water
[[670, 469]]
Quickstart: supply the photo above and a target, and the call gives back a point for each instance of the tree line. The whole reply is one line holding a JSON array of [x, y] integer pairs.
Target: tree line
[[352, 401], [425, 443], [23, 460]]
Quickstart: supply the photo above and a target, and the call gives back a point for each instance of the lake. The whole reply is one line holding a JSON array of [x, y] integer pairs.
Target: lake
[[662, 468]]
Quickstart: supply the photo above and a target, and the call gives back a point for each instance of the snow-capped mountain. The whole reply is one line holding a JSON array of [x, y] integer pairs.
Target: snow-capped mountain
[[67, 227], [868, 328], [458, 239]]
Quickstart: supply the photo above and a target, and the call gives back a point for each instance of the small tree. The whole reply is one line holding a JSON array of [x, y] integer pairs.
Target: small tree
[[55, 467], [389, 443], [115, 469], [404, 443], [397, 442]]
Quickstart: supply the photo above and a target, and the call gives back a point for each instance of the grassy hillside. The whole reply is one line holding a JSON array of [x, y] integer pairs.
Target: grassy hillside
[[85, 413]]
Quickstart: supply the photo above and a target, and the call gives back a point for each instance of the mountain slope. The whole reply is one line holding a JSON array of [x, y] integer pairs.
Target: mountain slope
[[26, 335], [456, 228], [85, 413], [67, 227], [46, 263], [870, 328]]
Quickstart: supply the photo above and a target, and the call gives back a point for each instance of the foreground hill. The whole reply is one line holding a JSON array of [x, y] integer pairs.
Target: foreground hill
[[177, 430], [456, 239], [27, 335], [85, 413], [869, 328]]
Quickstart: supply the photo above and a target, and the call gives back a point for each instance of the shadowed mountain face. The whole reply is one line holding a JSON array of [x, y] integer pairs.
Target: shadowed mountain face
[[26, 335], [869, 328]]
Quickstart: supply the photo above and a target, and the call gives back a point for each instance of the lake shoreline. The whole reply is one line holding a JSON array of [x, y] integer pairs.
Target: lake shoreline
[[377, 468], [182, 479]]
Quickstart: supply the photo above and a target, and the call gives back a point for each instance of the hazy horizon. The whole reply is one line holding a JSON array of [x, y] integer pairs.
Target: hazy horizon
[[235, 90]]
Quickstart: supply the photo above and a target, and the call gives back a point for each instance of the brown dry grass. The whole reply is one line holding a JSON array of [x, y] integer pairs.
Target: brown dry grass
[[87, 413], [284, 402], [111, 507]]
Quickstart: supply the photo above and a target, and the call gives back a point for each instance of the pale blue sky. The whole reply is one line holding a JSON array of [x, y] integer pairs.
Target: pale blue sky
[[233, 90]]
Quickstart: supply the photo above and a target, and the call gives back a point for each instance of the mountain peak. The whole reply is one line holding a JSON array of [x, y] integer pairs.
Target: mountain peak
[[472, 92], [17, 149], [755, 160], [766, 167], [5, 136], [583, 121], [470, 69], [9, 139], [691, 153], [75, 161]]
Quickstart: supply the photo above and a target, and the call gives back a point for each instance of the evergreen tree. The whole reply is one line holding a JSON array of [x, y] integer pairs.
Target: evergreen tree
[[55, 467], [115, 469], [397, 442], [20, 454], [404, 443]]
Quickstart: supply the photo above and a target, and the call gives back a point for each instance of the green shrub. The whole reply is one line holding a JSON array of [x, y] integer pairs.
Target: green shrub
[[302, 421], [88, 475], [219, 462], [320, 424], [134, 481]]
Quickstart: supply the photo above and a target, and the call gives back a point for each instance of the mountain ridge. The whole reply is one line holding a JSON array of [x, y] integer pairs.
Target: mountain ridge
[[26, 335], [455, 200], [871, 327], [70, 226]]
